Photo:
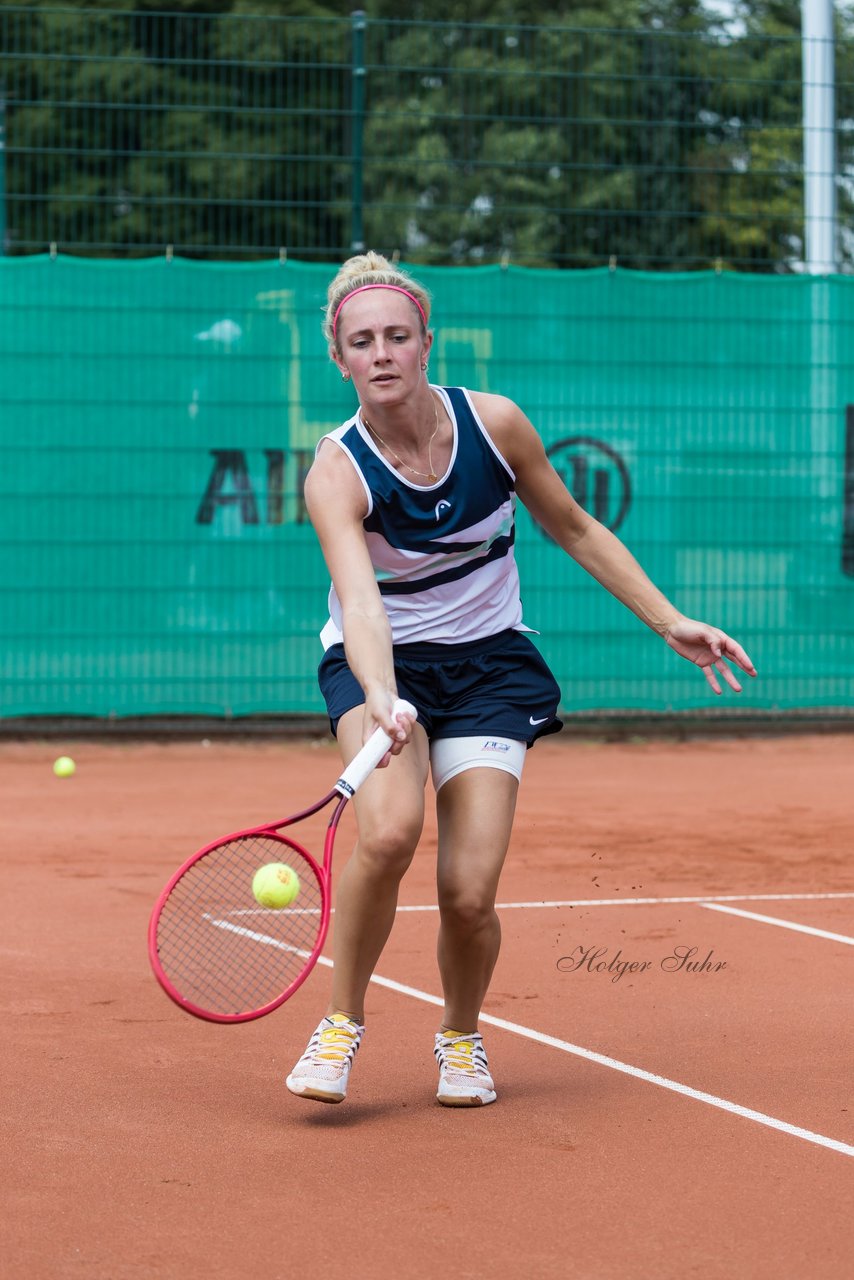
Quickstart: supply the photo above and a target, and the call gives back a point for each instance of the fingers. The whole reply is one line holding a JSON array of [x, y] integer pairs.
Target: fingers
[[403, 724], [711, 650], [735, 652], [723, 646], [405, 721], [721, 666], [378, 714], [709, 673], [728, 676]]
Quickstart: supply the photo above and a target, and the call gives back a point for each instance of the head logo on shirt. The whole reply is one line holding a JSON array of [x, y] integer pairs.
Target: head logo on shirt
[[441, 505]]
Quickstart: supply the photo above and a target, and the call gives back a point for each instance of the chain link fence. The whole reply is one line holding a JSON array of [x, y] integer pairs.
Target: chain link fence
[[232, 135]]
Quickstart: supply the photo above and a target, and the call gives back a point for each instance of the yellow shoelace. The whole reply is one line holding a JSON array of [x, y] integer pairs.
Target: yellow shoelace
[[338, 1042], [459, 1056]]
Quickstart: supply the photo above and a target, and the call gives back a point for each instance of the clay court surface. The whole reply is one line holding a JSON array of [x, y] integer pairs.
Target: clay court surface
[[658, 1125]]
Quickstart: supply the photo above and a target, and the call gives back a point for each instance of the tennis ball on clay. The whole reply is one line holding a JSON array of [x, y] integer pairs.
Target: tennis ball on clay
[[275, 885], [64, 767]]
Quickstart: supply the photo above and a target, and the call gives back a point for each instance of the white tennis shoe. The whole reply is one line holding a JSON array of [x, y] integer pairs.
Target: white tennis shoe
[[464, 1079], [323, 1070]]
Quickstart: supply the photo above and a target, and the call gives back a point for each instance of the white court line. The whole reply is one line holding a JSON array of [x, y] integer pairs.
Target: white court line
[[278, 911], [782, 924], [243, 932], [585, 902], [643, 902], [746, 1113]]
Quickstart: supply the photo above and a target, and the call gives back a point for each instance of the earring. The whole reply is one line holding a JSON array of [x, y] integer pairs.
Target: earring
[[423, 368], [345, 375]]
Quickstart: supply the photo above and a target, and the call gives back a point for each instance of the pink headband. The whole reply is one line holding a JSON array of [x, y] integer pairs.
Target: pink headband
[[363, 288]]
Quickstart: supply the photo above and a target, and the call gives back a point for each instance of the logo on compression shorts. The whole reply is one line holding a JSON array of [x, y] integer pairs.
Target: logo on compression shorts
[[495, 746], [442, 503]]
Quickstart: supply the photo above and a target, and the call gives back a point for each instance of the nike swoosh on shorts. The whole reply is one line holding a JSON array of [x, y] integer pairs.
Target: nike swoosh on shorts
[[531, 720]]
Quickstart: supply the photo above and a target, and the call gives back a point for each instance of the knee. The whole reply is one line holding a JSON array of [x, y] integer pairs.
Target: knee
[[387, 848], [465, 909]]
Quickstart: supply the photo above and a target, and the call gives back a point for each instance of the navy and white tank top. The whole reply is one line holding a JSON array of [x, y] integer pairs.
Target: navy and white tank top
[[442, 554]]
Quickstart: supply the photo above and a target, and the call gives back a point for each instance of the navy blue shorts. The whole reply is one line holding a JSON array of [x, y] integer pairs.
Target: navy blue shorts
[[500, 685]]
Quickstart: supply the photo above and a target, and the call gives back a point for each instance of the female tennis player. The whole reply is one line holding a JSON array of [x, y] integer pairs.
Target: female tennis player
[[413, 502]]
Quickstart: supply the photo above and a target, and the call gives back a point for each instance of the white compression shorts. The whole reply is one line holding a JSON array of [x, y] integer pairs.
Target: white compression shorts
[[450, 756]]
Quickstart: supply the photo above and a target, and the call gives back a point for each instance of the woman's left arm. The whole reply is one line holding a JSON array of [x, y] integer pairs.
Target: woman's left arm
[[598, 550]]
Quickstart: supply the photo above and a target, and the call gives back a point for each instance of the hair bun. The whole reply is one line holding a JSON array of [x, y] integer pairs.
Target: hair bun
[[362, 264], [369, 269]]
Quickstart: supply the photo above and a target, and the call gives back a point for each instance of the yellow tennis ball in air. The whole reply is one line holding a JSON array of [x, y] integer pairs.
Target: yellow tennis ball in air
[[275, 885], [64, 767]]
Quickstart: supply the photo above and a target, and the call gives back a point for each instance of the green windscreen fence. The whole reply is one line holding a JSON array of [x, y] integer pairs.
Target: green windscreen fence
[[159, 416]]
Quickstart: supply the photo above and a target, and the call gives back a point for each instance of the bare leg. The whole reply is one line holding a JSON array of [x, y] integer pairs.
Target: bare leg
[[475, 810], [390, 815]]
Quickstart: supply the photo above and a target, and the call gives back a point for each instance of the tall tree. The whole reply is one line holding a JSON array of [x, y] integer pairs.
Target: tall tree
[[133, 129], [650, 131]]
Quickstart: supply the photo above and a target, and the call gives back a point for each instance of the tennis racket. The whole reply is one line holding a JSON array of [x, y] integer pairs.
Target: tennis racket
[[217, 953]]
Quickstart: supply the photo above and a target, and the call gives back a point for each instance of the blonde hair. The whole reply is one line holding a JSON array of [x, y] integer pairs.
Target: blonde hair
[[362, 271]]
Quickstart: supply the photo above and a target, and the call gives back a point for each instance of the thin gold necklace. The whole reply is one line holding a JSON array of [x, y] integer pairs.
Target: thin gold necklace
[[424, 475]]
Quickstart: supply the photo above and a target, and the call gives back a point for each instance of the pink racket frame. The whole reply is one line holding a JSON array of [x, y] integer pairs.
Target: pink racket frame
[[351, 779], [323, 874]]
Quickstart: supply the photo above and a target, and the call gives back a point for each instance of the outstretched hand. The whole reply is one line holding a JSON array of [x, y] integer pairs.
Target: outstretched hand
[[707, 647]]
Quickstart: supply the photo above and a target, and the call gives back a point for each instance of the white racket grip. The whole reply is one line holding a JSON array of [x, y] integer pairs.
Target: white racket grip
[[363, 764]]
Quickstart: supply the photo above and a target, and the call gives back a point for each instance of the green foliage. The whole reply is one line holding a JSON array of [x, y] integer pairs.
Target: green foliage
[[647, 131]]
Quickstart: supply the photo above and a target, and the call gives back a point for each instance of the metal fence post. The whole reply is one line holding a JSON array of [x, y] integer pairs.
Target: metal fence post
[[819, 95], [357, 126]]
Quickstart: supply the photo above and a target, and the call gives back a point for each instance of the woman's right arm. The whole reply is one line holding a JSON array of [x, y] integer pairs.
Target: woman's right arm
[[337, 505]]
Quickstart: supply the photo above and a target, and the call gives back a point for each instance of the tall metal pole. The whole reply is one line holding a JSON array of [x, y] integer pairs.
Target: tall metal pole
[[357, 126], [817, 60], [821, 257]]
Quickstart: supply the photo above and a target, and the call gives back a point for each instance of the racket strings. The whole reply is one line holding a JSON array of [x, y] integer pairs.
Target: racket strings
[[223, 952]]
